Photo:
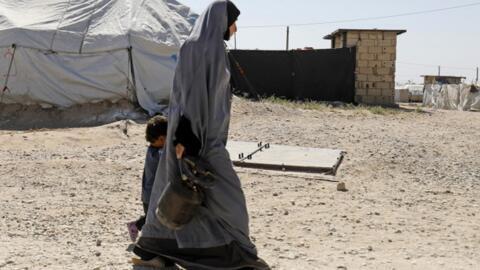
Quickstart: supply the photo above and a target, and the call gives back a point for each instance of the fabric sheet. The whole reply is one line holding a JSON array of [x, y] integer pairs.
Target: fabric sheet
[[461, 97]]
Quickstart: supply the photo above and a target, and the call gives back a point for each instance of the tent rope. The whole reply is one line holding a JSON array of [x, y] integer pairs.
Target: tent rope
[[5, 86]]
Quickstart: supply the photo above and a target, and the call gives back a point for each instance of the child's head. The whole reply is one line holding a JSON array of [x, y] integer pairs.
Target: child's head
[[156, 133]]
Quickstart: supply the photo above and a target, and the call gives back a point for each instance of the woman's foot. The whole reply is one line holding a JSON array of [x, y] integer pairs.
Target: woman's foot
[[156, 262]]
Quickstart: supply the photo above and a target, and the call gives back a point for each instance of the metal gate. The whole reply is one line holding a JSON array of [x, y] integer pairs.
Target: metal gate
[[321, 75]]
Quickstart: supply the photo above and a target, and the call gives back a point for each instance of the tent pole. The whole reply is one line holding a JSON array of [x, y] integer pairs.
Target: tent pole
[[477, 76], [5, 86], [288, 37], [132, 72], [235, 39], [439, 70]]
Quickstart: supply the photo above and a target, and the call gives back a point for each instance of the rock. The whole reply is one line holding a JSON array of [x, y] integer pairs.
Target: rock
[[342, 187], [99, 242], [98, 253], [285, 213], [292, 256], [6, 263]]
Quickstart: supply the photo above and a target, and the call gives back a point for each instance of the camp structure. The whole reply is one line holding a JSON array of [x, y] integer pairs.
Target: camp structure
[[452, 96], [67, 52], [409, 93]]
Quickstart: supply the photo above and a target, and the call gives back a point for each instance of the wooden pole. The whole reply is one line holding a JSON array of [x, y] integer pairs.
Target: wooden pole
[[288, 37], [477, 76], [235, 40], [439, 70]]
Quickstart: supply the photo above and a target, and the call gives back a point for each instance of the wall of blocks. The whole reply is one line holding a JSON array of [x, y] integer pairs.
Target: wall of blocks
[[375, 70]]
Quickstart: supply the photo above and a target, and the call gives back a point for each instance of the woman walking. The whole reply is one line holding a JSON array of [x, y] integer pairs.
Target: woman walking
[[218, 235]]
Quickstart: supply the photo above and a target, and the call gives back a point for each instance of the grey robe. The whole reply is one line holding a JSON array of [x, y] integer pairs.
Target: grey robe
[[201, 93]]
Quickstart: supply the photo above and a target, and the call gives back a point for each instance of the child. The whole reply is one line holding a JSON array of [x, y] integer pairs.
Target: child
[[156, 135]]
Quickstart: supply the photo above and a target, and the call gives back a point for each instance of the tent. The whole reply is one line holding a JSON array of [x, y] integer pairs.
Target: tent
[[69, 52], [452, 97]]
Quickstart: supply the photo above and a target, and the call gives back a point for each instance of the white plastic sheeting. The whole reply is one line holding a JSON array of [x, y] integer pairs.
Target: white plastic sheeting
[[452, 97], [470, 98], [77, 51]]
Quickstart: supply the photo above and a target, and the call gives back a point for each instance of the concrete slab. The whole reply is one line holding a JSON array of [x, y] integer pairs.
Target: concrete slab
[[286, 158]]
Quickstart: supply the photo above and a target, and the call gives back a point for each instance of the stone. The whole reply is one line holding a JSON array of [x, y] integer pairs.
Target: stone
[[341, 186]]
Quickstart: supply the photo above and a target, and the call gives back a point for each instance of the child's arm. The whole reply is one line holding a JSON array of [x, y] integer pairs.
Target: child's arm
[[185, 140]]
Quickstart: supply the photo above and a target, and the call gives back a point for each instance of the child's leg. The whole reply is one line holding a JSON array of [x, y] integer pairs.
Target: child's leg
[[140, 222], [145, 208]]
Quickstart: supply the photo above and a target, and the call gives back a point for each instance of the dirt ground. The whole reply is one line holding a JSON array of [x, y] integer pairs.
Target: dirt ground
[[413, 201]]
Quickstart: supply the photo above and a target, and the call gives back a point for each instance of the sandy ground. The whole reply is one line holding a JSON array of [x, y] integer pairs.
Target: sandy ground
[[413, 199]]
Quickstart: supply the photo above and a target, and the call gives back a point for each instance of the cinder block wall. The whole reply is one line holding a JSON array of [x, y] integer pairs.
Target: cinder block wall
[[375, 70]]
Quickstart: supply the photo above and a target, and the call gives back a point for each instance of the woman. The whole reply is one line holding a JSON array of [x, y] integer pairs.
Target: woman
[[218, 235]]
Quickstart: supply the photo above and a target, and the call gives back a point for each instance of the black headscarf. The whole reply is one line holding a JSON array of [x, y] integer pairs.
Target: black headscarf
[[232, 13]]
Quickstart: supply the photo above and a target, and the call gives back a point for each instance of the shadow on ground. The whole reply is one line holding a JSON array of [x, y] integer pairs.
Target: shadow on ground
[[21, 117]]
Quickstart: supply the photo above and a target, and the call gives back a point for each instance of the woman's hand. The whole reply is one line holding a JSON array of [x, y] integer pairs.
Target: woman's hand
[[179, 149]]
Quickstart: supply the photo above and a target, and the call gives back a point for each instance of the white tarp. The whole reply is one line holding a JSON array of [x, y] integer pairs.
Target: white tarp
[[470, 98], [77, 51], [452, 97], [430, 94]]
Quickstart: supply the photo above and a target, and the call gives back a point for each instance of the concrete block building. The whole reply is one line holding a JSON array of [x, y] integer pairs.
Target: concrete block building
[[375, 62]]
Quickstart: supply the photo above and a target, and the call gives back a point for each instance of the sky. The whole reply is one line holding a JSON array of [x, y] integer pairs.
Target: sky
[[450, 38]]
